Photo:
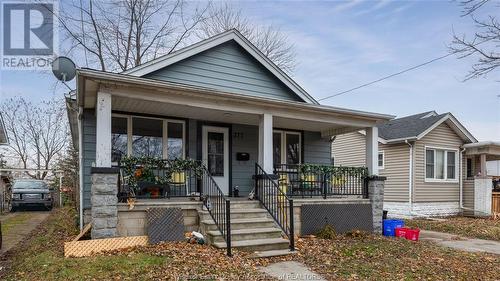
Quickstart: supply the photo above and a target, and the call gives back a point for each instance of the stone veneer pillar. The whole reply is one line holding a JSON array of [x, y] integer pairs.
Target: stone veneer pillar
[[376, 196], [104, 202], [482, 196]]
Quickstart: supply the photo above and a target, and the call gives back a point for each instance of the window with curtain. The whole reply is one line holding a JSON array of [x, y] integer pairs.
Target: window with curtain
[[440, 164], [147, 137], [119, 140]]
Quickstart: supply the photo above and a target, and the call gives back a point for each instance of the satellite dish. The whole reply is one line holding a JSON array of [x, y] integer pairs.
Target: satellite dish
[[64, 69]]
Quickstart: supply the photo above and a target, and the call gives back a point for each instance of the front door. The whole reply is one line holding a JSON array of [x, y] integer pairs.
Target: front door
[[216, 154]]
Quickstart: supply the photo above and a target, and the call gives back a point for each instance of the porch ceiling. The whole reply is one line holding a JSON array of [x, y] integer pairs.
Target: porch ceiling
[[123, 104]]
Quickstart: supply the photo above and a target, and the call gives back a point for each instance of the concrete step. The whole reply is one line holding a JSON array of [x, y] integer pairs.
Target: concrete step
[[215, 236], [272, 253], [239, 214], [244, 204], [209, 224], [257, 244]]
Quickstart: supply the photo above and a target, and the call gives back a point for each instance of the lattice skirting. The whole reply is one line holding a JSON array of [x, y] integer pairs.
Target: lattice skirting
[[86, 248]]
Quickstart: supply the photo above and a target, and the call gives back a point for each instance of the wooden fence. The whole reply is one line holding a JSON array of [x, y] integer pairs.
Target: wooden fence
[[495, 202]]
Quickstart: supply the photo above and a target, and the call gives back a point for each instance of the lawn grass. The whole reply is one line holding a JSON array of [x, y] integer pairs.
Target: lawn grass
[[9, 223], [379, 258], [482, 228], [42, 256], [364, 257]]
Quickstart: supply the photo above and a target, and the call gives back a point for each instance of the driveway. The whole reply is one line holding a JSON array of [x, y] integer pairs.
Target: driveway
[[16, 226], [461, 243]]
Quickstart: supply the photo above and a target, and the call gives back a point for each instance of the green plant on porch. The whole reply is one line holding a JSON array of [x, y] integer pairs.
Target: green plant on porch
[[337, 175], [158, 171]]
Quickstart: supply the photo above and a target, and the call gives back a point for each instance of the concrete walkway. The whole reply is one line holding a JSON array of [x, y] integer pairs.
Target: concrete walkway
[[461, 243], [290, 270], [18, 230]]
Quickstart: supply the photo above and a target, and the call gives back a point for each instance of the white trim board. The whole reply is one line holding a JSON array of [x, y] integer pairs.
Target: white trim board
[[212, 42]]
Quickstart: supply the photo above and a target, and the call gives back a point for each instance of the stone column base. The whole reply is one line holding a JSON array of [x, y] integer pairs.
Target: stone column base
[[376, 195], [104, 202]]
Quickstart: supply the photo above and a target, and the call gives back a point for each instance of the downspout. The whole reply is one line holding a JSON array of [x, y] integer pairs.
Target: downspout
[[80, 162], [410, 178], [460, 181]]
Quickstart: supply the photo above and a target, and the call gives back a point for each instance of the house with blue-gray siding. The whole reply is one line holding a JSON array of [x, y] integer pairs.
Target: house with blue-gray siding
[[260, 141]]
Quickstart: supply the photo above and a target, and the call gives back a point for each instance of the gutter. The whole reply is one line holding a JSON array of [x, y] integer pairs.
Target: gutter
[[410, 178], [80, 162], [460, 180]]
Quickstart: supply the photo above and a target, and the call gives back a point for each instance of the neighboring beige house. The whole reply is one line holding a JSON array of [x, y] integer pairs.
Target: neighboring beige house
[[420, 155]]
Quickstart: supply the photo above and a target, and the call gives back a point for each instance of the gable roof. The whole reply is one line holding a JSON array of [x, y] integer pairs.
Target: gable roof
[[415, 127], [230, 35]]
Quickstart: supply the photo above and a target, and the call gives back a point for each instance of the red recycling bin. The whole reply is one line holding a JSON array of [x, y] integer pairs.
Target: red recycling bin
[[412, 234], [401, 232]]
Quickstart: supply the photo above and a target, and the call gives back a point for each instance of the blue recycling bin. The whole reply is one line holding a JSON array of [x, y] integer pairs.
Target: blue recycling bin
[[391, 225]]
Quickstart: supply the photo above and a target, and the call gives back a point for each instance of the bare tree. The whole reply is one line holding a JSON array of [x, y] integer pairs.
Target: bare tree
[[37, 133], [118, 35], [485, 42], [270, 40]]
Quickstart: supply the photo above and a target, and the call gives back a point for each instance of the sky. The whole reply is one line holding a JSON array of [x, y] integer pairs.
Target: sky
[[343, 44]]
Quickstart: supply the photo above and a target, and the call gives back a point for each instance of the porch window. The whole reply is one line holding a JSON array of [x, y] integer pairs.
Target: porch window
[[119, 142], [287, 147], [440, 164], [147, 137], [175, 140], [470, 173], [150, 137]]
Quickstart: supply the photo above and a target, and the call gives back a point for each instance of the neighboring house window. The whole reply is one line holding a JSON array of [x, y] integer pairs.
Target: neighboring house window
[[440, 164], [381, 159], [287, 147], [151, 137]]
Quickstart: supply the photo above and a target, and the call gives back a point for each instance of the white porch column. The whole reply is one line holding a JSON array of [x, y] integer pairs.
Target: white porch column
[[103, 130], [266, 142], [372, 150], [483, 165]]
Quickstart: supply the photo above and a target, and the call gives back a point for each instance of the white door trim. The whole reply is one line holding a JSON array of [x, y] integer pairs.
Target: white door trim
[[222, 182]]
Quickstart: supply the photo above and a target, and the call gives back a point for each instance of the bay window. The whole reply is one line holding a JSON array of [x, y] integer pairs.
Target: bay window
[[440, 164], [146, 137], [287, 147]]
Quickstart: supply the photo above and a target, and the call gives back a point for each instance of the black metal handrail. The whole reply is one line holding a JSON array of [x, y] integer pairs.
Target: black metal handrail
[[218, 206], [322, 180], [275, 201]]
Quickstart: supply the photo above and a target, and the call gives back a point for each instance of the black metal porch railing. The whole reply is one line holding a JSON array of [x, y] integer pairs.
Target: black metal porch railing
[[218, 206], [309, 180], [275, 201], [159, 178]]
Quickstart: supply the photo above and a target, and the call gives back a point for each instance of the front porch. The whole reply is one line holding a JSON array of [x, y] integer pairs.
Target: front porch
[[162, 141]]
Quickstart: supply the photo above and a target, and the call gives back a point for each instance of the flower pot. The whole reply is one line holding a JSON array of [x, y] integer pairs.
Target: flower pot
[[178, 177]]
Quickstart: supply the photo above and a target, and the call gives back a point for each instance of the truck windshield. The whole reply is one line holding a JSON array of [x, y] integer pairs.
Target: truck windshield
[[30, 185]]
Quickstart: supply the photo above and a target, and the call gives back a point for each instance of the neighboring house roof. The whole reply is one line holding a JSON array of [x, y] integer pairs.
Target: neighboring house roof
[[3, 132], [231, 35], [415, 127]]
